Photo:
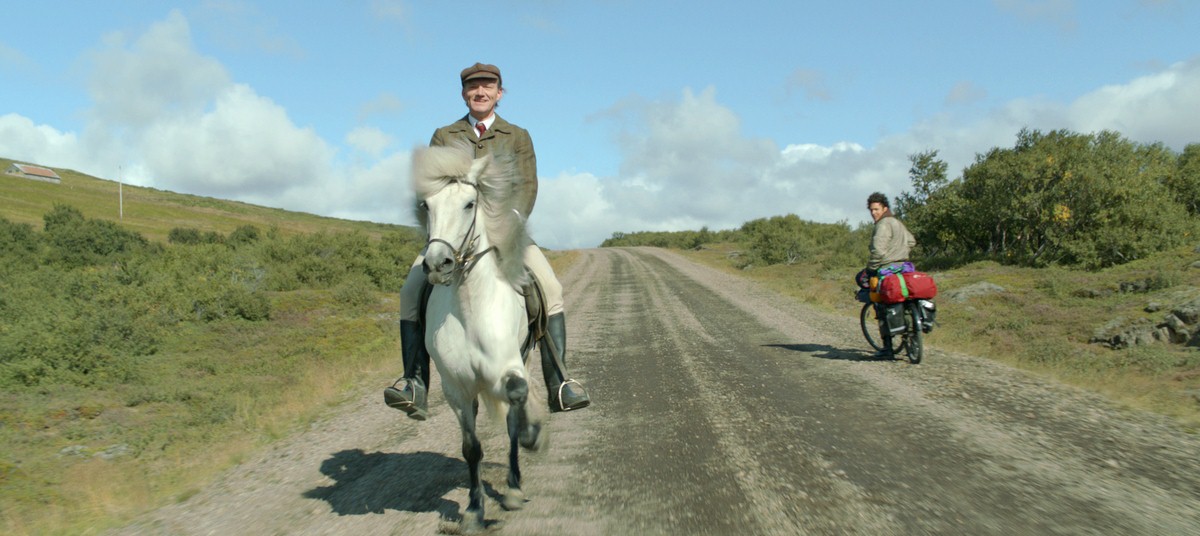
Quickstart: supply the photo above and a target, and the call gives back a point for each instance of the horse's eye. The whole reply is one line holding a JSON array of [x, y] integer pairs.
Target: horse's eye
[[471, 205], [422, 206]]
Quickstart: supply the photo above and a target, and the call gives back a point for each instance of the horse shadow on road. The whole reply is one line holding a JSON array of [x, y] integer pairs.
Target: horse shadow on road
[[824, 351], [370, 483]]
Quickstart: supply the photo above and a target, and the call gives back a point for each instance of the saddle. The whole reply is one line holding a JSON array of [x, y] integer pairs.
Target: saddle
[[535, 311]]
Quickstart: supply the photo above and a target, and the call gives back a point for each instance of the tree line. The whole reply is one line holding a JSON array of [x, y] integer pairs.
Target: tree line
[[1057, 198], [1061, 198]]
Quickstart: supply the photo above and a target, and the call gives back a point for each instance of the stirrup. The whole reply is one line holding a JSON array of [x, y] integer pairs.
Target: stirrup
[[395, 395], [558, 397], [400, 398]]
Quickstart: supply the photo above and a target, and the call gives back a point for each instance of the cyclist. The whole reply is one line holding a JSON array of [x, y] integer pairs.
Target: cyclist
[[890, 243]]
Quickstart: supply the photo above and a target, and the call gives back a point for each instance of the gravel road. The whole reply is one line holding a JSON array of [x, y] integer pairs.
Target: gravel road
[[722, 408]]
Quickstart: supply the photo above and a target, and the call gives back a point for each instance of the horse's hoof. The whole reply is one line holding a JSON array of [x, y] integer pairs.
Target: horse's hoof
[[513, 500], [471, 525]]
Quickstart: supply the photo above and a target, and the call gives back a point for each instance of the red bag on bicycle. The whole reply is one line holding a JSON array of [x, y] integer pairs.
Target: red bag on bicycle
[[920, 286], [896, 288], [893, 288]]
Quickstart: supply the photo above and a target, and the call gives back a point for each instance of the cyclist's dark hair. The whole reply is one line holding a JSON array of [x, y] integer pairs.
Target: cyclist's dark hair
[[878, 197]]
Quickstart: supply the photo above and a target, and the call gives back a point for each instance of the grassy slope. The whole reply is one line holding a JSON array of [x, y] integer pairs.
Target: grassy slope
[[153, 213], [212, 394], [1040, 323]]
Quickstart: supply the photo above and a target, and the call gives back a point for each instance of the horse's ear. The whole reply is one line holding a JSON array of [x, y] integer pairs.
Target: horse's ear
[[477, 168]]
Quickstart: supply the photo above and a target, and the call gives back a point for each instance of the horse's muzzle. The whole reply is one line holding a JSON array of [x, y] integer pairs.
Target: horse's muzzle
[[439, 268]]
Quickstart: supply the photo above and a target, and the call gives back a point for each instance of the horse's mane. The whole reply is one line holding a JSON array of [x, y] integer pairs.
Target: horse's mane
[[499, 184]]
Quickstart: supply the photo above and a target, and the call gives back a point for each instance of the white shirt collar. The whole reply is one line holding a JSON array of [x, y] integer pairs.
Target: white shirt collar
[[486, 122]]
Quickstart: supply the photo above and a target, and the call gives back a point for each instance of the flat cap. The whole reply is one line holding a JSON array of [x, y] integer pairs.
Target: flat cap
[[480, 70]]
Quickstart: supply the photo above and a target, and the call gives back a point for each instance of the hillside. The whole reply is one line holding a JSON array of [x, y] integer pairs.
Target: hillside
[[152, 212], [133, 369]]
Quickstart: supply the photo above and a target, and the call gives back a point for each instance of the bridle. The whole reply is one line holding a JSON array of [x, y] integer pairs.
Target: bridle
[[465, 256]]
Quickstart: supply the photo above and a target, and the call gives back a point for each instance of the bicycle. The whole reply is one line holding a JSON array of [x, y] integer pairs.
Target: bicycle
[[918, 320]]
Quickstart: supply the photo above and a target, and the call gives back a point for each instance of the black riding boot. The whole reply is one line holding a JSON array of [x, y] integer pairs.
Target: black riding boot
[[563, 395], [411, 398]]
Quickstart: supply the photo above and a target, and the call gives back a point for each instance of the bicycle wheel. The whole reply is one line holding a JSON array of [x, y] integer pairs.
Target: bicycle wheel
[[870, 326], [916, 343]]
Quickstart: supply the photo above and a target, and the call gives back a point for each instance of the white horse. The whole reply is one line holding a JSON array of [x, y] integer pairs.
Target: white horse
[[476, 321]]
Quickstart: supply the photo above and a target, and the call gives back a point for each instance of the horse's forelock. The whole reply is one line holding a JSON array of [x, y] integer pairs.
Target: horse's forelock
[[499, 184], [435, 167]]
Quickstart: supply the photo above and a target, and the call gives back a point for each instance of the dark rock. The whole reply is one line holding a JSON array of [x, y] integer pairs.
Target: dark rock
[[1180, 326]]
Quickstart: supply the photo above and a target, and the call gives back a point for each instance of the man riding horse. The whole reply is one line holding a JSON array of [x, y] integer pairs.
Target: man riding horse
[[487, 133]]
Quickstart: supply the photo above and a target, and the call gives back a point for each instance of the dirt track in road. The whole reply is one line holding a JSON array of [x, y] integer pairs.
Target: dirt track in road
[[722, 408]]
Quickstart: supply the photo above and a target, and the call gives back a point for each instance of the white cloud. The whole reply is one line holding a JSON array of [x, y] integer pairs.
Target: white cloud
[[378, 192], [245, 145], [21, 139], [159, 75], [1156, 107], [686, 165]]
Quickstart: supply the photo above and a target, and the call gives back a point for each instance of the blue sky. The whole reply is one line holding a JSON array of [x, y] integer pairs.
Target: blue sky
[[645, 115]]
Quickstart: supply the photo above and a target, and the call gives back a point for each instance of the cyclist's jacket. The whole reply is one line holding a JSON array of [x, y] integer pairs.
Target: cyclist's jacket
[[891, 242]]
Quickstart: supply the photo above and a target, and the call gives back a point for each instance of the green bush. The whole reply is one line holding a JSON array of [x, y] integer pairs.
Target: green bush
[[788, 240], [670, 239], [18, 243], [1184, 184], [75, 241], [86, 301], [1082, 200], [243, 235], [356, 290], [191, 236], [184, 235]]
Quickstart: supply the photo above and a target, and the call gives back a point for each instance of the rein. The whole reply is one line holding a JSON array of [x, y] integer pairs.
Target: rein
[[465, 256]]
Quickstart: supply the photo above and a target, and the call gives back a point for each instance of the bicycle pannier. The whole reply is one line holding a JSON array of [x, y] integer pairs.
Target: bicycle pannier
[[894, 318]]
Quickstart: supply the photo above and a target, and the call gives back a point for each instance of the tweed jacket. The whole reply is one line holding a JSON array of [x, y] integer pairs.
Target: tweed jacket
[[503, 140], [890, 243]]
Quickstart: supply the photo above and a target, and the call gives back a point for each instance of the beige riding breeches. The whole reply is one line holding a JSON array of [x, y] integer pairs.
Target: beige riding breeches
[[410, 293]]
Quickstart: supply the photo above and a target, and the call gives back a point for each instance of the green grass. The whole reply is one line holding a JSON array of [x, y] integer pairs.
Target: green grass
[[77, 459], [213, 394], [1042, 322]]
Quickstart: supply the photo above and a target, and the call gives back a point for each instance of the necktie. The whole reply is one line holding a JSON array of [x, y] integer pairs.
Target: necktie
[[481, 128]]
